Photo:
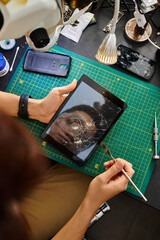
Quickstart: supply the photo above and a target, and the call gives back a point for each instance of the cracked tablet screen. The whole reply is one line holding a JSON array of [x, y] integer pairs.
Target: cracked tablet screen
[[83, 121]]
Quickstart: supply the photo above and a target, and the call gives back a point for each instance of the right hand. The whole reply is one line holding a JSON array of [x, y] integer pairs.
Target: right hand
[[110, 183]]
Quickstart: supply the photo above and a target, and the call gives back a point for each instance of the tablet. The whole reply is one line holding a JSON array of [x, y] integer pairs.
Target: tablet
[[83, 120]]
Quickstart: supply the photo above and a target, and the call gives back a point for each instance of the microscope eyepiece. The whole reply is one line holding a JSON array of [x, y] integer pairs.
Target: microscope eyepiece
[[40, 37], [1, 20]]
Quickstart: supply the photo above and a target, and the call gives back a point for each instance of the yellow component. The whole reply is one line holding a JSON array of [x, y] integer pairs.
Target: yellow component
[[43, 144], [6, 1], [73, 4], [22, 1], [96, 166]]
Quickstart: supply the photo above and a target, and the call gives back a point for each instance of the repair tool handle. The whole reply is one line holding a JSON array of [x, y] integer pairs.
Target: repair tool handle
[[123, 171], [134, 185], [130, 180]]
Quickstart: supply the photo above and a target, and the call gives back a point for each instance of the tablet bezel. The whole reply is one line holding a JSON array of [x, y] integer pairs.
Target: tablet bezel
[[103, 91]]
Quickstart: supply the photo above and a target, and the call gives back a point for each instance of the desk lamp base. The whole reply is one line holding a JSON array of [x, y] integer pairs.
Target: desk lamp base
[[131, 31]]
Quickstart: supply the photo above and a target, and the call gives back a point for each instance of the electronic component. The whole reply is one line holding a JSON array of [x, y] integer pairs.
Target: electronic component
[[83, 120], [47, 63], [145, 6], [135, 62]]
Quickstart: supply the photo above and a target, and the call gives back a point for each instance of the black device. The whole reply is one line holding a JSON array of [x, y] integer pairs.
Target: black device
[[135, 62], [83, 120], [47, 63], [156, 19]]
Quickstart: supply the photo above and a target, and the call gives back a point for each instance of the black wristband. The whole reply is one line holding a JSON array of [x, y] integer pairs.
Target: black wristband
[[23, 106]]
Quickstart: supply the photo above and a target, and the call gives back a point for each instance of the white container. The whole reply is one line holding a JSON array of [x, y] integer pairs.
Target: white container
[[4, 65]]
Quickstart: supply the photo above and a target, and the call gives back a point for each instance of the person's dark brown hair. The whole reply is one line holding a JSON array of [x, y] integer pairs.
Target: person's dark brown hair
[[21, 163]]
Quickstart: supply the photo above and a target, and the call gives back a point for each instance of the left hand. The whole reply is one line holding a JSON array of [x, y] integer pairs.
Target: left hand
[[47, 107]]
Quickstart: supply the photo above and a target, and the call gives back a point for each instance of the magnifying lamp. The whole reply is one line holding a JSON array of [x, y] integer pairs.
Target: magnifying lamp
[[107, 52]]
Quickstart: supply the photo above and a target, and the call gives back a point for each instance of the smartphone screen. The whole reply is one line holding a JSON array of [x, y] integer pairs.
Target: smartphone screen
[[135, 62]]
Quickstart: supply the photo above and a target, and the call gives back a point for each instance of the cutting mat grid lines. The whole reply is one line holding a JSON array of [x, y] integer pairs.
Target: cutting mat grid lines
[[130, 138]]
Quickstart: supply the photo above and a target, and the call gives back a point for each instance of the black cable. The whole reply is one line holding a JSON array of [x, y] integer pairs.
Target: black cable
[[126, 6], [106, 4], [97, 7], [151, 15]]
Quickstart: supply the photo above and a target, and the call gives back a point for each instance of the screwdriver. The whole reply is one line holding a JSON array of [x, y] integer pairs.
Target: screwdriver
[[155, 138]]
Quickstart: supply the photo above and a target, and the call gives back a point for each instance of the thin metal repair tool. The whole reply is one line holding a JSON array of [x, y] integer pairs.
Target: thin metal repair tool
[[11, 68], [155, 139], [109, 153]]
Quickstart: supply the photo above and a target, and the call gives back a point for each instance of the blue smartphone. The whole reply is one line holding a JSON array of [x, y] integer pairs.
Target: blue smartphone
[[47, 63]]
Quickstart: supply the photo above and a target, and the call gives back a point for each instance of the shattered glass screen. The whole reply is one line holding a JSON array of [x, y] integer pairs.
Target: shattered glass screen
[[135, 62], [83, 120]]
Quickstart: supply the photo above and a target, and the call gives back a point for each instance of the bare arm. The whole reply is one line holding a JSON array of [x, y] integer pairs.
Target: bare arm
[[39, 109], [9, 103], [101, 189]]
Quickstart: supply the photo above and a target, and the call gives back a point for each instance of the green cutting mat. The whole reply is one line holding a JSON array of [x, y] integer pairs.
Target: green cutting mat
[[130, 138]]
